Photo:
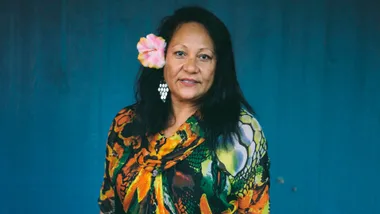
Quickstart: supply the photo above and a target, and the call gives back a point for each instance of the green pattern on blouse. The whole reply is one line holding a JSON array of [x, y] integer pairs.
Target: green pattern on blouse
[[180, 174]]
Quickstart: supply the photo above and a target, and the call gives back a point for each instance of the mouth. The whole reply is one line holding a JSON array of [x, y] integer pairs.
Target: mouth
[[189, 81]]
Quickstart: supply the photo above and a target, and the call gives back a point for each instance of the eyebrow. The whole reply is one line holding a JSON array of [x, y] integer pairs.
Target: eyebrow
[[200, 49], [208, 49]]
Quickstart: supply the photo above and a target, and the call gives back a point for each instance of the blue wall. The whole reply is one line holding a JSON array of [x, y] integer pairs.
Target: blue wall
[[311, 69]]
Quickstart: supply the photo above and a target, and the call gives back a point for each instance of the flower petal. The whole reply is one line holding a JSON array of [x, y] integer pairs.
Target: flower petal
[[151, 51]]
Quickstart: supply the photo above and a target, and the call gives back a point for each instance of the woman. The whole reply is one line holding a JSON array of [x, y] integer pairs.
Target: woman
[[190, 144]]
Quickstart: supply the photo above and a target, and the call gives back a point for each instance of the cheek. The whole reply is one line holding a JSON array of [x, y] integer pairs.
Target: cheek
[[169, 72], [208, 70], [172, 68], [209, 75]]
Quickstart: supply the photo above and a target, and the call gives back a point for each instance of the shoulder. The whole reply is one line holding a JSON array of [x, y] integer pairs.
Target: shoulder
[[248, 119], [245, 148], [121, 127], [127, 110], [250, 130], [125, 115], [252, 135], [122, 122]]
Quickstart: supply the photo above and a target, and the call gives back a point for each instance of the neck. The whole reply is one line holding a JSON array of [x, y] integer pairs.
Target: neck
[[182, 111]]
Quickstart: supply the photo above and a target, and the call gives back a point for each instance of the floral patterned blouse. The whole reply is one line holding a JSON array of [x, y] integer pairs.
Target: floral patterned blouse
[[181, 174]]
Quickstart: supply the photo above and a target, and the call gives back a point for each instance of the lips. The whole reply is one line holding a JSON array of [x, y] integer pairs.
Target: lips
[[189, 81]]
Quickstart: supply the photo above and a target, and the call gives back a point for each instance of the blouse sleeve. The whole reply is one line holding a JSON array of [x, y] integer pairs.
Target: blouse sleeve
[[106, 198], [248, 166], [253, 186], [253, 196], [114, 152]]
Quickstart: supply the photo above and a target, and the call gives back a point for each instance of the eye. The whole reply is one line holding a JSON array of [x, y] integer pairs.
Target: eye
[[205, 57], [179, 53]]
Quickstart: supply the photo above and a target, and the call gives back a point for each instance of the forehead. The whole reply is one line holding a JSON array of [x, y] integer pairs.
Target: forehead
[[192, 33]]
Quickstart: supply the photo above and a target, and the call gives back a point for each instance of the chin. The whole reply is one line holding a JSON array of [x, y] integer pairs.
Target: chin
[[187, 97]]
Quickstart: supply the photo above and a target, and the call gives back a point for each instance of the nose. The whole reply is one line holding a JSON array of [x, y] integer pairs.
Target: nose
[[190, 65]]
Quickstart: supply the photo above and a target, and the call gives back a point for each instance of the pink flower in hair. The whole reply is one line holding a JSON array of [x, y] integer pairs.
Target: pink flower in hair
[[151, 51]]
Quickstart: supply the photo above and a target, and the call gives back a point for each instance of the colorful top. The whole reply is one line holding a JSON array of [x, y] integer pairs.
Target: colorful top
[[181, 174]]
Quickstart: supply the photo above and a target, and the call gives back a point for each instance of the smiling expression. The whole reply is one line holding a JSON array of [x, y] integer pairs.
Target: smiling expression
[[190, 63]]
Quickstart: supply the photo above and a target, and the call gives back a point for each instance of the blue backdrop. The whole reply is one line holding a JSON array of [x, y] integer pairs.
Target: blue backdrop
[[311, 69]]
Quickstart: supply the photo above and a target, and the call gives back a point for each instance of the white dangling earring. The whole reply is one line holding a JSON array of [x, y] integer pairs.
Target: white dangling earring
[[163, 89]]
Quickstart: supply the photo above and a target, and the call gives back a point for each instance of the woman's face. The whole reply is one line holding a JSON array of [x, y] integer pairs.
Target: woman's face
[[190, 63]]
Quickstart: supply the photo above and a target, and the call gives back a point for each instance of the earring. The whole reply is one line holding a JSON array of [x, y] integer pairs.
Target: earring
[[163, 89]]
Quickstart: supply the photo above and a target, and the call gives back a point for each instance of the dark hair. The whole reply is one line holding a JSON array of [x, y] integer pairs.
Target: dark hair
[[220, 106]]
